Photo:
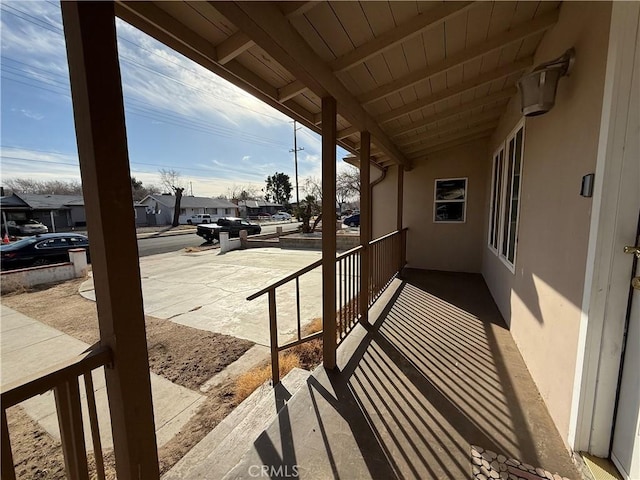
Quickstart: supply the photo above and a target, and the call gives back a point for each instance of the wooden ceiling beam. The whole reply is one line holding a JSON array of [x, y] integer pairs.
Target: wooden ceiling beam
[[347, 132], [154, 22], [537, 25], [232, 47], [415, 26], [471, 84], [291, 9], [450, 112], [482, 130], [291, 90], [470, 122], [451, 144], [268, 28]]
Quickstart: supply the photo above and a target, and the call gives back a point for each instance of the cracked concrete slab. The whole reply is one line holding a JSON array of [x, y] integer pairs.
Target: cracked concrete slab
[[208, 290]]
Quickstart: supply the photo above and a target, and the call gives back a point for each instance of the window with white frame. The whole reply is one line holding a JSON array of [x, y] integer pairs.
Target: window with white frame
[[496, 197], [505, 197], [450, 200]]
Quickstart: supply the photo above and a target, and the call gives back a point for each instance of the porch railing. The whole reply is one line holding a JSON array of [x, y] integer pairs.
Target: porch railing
[[63, 379], [386, 259]]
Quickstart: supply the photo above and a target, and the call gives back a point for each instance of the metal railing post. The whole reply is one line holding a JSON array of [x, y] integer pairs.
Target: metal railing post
[[273, 331]]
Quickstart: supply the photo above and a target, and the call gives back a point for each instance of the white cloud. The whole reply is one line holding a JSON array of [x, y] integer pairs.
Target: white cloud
[[29, 113], [246, 158]]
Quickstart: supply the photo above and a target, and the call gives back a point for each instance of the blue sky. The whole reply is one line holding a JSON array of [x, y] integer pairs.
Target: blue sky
[[179, 115]]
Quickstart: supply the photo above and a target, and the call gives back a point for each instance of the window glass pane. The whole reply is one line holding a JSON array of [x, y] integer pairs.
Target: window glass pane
[[450, 189], [515, 197], [450, 212], [495, 199], [507, 197]]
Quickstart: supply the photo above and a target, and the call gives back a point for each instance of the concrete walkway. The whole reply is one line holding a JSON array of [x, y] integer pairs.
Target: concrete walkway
[[208, 290], [28, 346]]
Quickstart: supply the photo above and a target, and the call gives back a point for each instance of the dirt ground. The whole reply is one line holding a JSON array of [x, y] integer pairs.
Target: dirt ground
[[183, 355]]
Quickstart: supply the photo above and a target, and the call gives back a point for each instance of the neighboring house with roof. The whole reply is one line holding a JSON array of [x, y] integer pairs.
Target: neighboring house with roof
[[253, 208], [58, 212], [162, 207]]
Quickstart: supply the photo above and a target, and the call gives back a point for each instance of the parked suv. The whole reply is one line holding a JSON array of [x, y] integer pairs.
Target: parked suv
[[199, 218], [281, 216], [23, 228]]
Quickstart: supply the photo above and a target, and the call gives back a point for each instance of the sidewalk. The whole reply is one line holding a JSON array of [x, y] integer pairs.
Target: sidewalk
[[28, 346]]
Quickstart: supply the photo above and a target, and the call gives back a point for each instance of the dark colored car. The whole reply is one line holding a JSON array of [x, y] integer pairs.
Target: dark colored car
[[41, 250], [233, 225], [352, 221]]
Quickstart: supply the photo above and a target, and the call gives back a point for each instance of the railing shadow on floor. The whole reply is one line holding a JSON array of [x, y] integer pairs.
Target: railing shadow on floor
[[423, 384]]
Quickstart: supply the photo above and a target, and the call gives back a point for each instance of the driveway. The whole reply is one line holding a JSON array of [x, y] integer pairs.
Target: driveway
[[208, 290]]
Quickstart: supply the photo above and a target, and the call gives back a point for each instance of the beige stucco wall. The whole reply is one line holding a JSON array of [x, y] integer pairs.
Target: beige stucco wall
[[542, 299], [447, 246], [384, 203]]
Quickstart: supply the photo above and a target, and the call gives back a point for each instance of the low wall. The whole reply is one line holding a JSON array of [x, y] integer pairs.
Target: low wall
[[227, 244], [13, 280], [313, 241]]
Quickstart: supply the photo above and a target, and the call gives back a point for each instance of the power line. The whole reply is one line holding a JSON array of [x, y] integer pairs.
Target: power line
[[56, 29], [131, 162], [155, 114]]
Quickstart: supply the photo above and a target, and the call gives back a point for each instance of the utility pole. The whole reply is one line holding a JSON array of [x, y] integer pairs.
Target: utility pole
[[295, 156]]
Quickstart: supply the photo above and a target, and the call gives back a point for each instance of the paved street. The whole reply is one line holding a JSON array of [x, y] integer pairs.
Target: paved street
[[171, 243]]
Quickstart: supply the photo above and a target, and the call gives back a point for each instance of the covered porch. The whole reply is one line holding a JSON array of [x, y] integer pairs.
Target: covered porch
[[434, 373], [436, 370]]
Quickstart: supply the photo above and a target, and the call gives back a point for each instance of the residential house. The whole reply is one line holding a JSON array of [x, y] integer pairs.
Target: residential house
[[253, 208], [539, 212], [58, 212], [163, 206]]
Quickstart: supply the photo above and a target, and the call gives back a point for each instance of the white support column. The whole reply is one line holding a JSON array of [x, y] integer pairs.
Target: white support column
[[98, 108]]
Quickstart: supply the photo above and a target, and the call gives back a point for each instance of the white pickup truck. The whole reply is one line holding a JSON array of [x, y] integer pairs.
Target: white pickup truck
[[198, 219]]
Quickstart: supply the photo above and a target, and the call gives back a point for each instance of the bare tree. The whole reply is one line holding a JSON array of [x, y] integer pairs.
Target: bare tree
[[140, 191], [43, 187], [347, 185], [313, 186], [172, 182], [242, 192]]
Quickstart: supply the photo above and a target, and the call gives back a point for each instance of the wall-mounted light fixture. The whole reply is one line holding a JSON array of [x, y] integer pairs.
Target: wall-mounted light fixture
[[538, 88]]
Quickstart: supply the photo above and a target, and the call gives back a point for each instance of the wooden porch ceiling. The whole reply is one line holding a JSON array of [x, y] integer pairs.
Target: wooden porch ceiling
[[420, 76]]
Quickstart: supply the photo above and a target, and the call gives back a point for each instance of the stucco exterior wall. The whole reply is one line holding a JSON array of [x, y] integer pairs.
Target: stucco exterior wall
[[542, 299], [384, 203], [447, 246]]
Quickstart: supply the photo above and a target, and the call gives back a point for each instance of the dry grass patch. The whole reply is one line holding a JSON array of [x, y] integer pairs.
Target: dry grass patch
[[248, 382], [307, 355]]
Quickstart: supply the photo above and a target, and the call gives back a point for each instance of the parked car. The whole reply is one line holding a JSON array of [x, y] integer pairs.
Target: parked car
[[199, 219], [263, 216], [28, 227], [352, 221], [40, 250], [233, 225], [281, 216]]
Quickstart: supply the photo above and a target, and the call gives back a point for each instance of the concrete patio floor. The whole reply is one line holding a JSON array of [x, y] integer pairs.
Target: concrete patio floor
[[208, 290], [436, 373]]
